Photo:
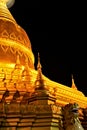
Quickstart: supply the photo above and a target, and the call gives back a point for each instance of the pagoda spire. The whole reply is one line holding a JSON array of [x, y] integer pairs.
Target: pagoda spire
[[39, 83], [18, 60], [39, 67], [26, 72], [73, 83], [18, 64], [26, 63], [16, 73], [4, 11]]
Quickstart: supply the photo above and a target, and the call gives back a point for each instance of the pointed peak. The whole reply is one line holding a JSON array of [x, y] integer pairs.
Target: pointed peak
[[72, 76], [39, 64], [39, 83], [18, 64], [18, 59], [39, 75], [38, 56], [26, 62], [26, 68], [16, 72], [73, 80], [73, 83]]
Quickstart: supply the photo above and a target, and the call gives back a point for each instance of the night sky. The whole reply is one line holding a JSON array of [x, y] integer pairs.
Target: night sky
[[51, 31]]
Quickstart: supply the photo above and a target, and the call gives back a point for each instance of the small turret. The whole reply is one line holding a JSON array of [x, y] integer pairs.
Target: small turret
[[26, 72], [16, 73], [73, 83], [39, 83]]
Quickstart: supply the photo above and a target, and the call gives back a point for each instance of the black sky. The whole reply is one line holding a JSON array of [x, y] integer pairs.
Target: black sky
[[51, 31]]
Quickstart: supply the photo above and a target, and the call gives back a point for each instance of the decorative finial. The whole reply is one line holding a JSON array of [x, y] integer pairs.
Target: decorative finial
[[39, 68], [39, 83], [26, 72], [73, 83], [18, 64], [72, 78], [16, 72], [38, 57], [27, 69], [39, 64]]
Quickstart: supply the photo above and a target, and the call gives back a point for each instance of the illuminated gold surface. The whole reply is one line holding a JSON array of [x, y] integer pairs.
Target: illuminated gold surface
[[17, 71], [39, 83], [13, 39]]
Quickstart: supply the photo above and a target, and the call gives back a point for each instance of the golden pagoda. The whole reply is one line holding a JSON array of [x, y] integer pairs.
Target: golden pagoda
[[28, 99]]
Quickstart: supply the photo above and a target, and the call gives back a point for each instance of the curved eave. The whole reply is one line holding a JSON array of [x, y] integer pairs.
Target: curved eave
[[63, 94]]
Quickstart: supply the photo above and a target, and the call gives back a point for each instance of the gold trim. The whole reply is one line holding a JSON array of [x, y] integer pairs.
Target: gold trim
[[18, 46]]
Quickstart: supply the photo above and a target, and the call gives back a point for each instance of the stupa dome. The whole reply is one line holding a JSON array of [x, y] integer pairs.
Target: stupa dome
[[13, 39]]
